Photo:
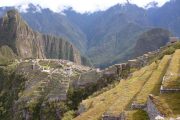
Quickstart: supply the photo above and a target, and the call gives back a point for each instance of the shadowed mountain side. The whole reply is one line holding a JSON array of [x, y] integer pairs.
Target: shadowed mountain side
[[151, 40]]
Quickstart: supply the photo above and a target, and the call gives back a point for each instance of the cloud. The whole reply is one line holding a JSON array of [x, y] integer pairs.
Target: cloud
[[78, 5]]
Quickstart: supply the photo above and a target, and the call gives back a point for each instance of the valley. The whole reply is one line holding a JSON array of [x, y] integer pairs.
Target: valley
[[114, 33]]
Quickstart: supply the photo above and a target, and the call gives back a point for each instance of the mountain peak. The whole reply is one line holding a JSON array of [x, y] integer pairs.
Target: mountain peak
[[13, 19], [13, 14], [26, 43], [29, 8]]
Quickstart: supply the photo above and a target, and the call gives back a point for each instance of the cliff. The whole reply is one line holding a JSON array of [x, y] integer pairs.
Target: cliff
[[26, 43]]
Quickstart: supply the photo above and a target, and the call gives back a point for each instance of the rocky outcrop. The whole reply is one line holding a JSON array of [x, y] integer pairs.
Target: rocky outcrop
[[152, 110], [26, 43]]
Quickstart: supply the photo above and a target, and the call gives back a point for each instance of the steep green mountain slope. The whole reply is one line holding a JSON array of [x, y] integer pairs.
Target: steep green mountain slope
[[151, 40], [24, 42], [166, 16], [116, 33], [144, 42]]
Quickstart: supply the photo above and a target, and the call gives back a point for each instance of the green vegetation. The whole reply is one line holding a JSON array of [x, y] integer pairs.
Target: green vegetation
[[6, 56], [151, 40], [69, 115], [11, 85], [136, 115], [169, 50]]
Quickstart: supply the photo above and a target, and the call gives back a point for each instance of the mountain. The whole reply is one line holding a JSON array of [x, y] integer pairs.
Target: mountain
[[26, 43], [166, 16], [46, 21], [151, 40], [113, 33], [49, 22]]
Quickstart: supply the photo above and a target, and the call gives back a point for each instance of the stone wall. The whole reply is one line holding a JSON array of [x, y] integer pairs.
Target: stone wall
[[152, 110], [166, 90], [135, 105], [95, 75], [110, 117]]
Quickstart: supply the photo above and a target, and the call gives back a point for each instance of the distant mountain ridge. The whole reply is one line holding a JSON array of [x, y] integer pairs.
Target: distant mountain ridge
[[106, 37]]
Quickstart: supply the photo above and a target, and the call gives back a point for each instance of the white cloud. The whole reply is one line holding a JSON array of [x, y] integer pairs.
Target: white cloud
[[78, 5]]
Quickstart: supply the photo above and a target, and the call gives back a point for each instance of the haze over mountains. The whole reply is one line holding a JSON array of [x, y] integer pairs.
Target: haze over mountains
[[110, 36]]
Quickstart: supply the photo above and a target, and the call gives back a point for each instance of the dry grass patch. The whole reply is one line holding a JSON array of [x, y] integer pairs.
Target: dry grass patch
[[152, 86], [172, 76], [162, 106], [119, 96], [171, 102]]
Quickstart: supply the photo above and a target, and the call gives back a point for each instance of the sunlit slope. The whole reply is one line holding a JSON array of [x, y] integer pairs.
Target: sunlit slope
[[152, 86], [172, 76], [117, 99]]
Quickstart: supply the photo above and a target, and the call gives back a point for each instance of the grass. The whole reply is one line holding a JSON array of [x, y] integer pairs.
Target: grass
[[169, 102], [162, 106], [136, 115], [152, 86], [116, 100], [172, 76]]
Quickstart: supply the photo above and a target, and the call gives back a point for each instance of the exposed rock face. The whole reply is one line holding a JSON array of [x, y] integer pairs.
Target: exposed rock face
[[153, 112], [26, 43]]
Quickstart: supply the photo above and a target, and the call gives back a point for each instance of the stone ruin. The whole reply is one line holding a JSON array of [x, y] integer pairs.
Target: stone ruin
[[111, 117], [152, 110]]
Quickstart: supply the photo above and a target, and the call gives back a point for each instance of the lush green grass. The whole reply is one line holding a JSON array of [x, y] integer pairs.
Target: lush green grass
[[152, 86], [117, 99], [172, 76]]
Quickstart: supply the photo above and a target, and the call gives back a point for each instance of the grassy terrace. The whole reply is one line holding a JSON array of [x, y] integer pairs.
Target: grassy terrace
[[162, 106], [136, 115], [169, 104], [117, 99], [172, 76], [152, 86]]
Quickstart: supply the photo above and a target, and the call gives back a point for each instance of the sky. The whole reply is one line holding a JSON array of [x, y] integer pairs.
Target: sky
[[78, 5]]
